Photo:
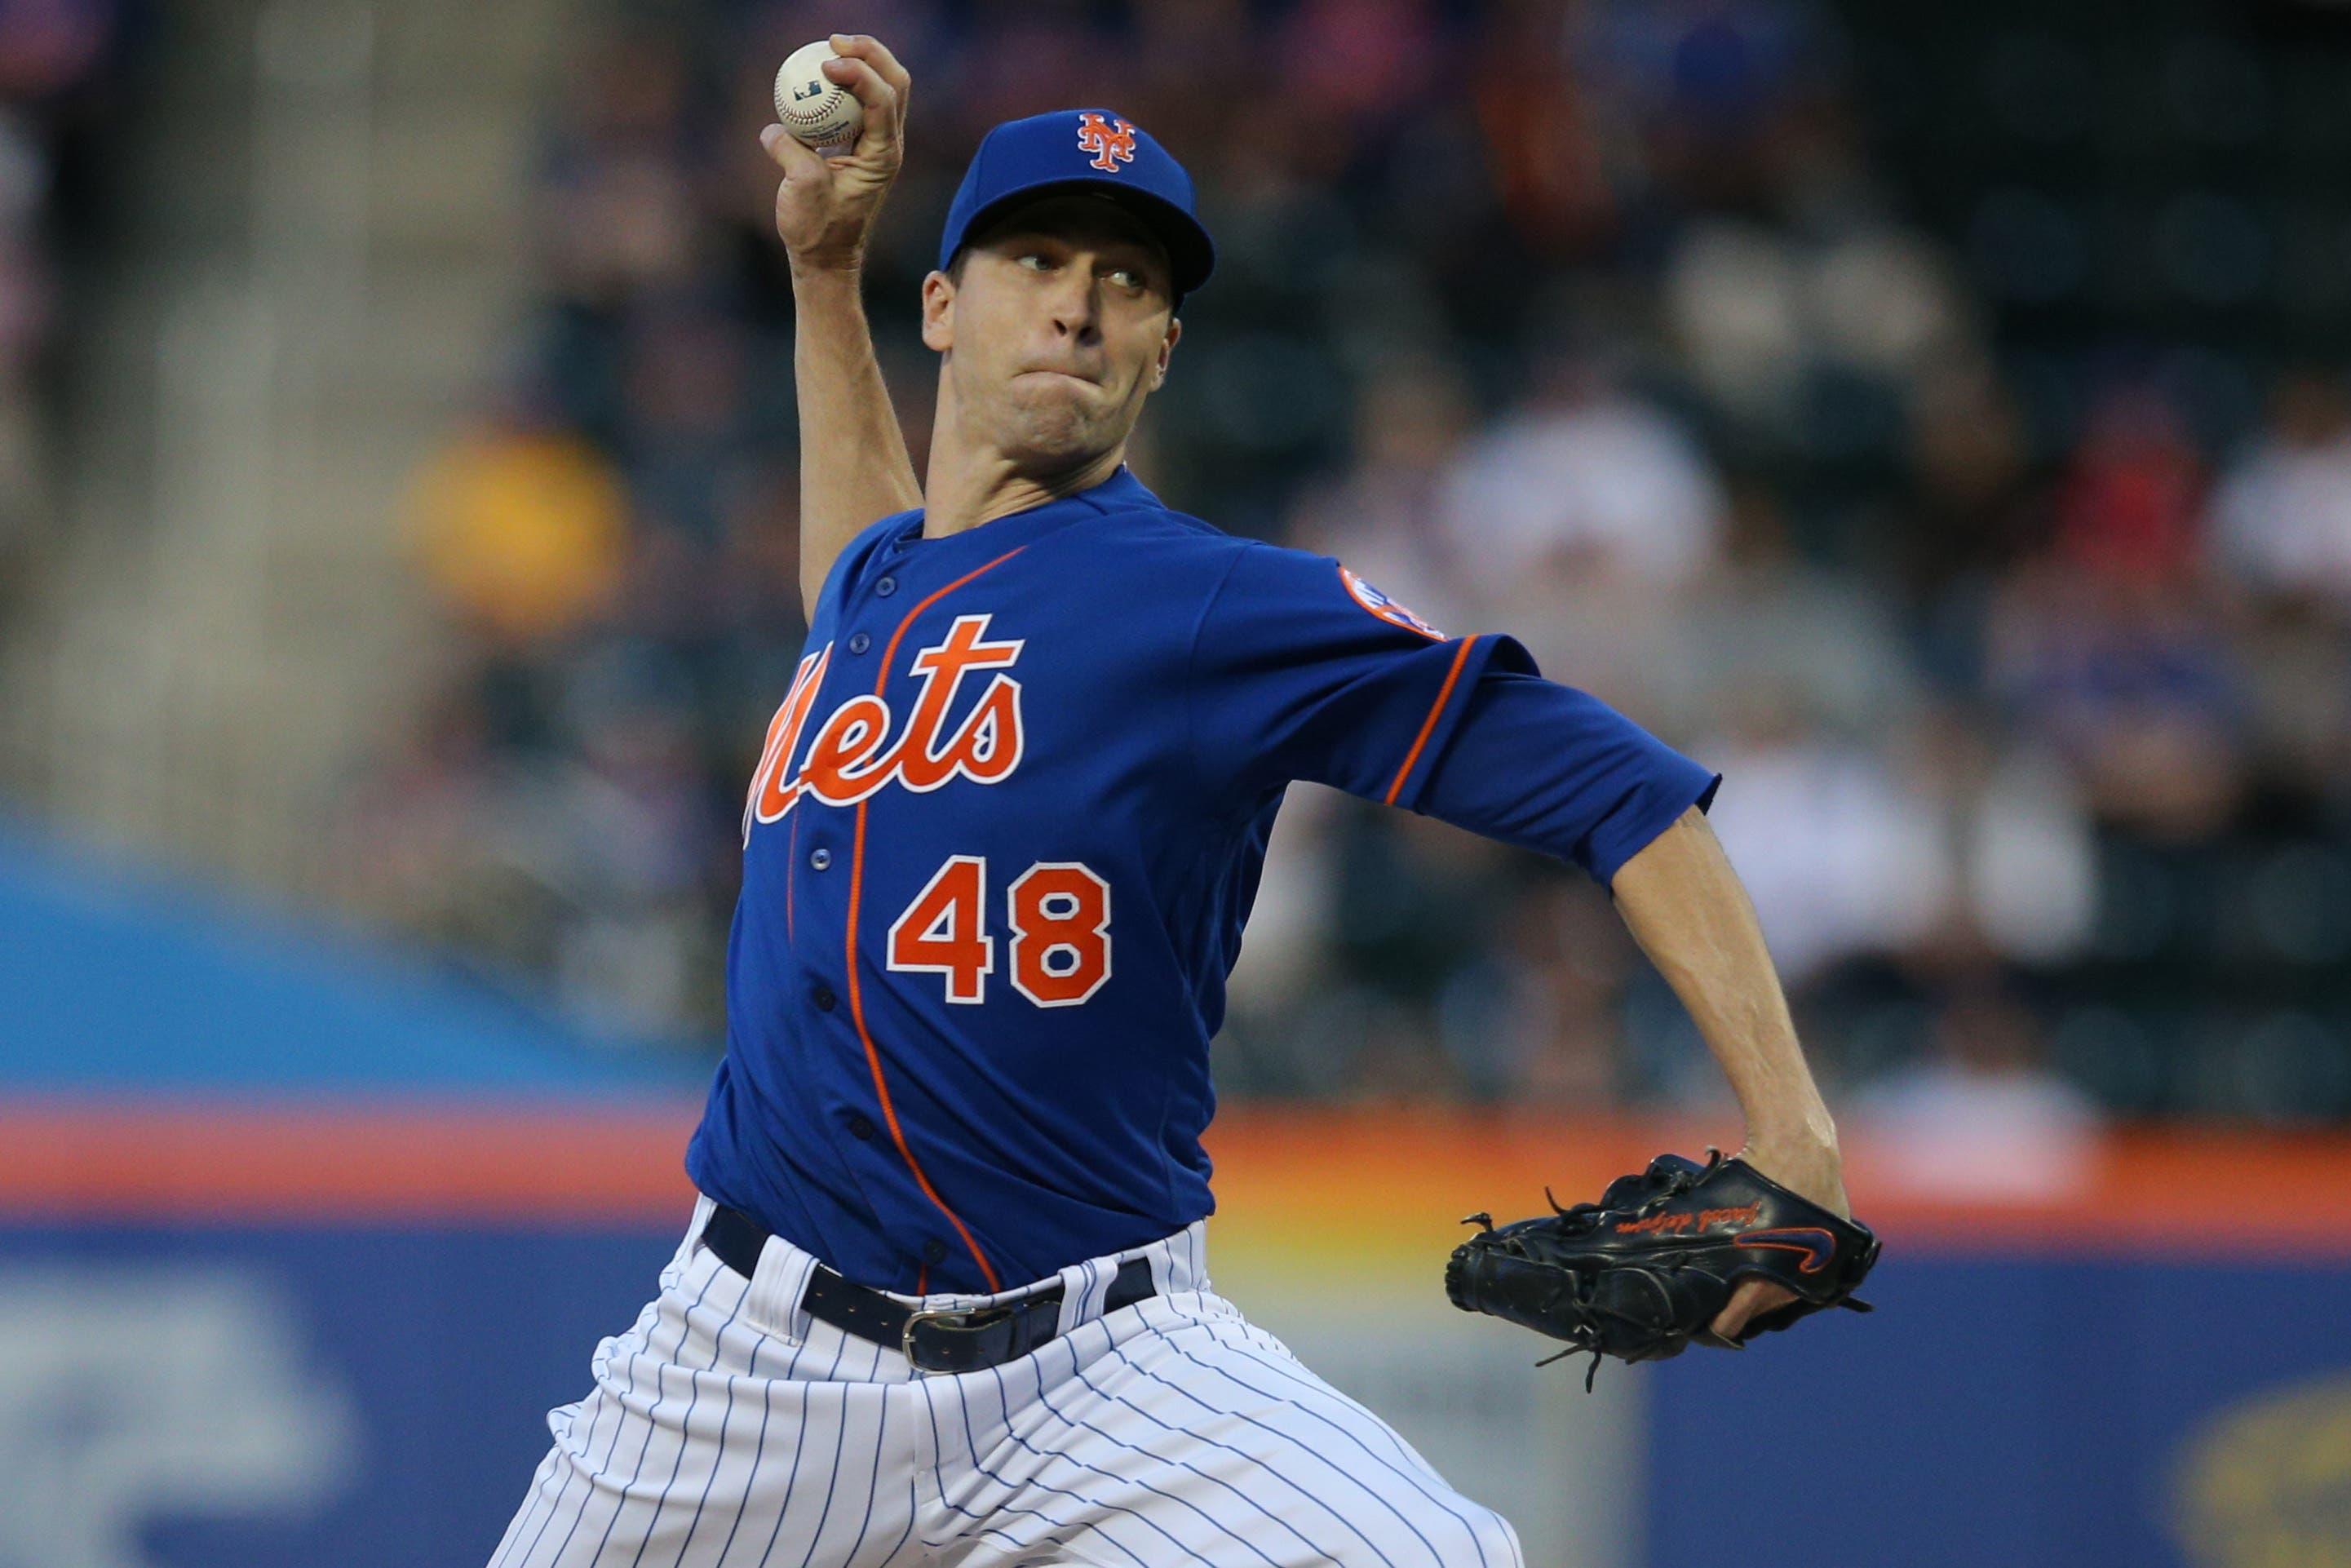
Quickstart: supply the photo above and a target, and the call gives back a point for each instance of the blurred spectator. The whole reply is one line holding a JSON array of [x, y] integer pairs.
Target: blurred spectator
[[2281, 518], [2020, 858], [618, 218], [416, 841], [2127, 505], [522, 531], [1577, 521], [1418, 926], [2281, 529], [1548, 155], [1379, 515], [1839, 852], [1583, 481], [1967, 455], [1943, 849], [1982, 1117], [2130, 679], [2296, 654], [50, 52], [1767, 619], [1566, 960], [1767, 322], [631, 826]]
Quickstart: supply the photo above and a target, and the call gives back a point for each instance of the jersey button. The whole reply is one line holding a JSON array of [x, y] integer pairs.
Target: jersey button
[[860, 1129], [822, 997], [858, 641], [885, 588], [819, 857], [934, 1250]]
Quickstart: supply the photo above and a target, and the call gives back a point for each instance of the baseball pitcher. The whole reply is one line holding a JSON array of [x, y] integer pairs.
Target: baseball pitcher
[[944, 1298]]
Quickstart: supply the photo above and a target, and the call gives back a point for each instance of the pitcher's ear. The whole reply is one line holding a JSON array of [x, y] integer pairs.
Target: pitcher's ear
[[1167, 352], [938, 312]]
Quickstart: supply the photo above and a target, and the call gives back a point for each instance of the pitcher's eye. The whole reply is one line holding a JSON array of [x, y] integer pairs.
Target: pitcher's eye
[[1127, 277], [1033, 260]]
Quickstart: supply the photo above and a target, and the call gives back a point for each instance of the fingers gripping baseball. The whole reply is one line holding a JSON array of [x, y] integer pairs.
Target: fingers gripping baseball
[[880, 84], [826, 204]]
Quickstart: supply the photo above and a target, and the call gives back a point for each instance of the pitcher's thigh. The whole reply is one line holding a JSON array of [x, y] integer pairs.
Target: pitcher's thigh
[[721, 1447], [1202, 1441]]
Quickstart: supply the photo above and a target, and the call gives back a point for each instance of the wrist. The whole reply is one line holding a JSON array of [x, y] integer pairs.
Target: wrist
[[1804, 1159], [1811, 1140], [837, 272]]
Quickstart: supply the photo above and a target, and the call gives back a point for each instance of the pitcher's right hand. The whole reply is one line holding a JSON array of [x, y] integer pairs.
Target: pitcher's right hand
[[825, 206]]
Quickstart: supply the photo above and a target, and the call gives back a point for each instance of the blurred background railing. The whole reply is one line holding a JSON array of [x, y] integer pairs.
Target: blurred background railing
[[1933, 418]]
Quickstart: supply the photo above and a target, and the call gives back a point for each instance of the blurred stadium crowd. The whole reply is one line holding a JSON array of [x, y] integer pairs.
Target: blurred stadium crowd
[[1778, 374], [55, 56]]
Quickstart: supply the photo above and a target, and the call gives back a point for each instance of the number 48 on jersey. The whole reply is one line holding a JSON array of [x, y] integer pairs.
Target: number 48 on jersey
[[1059, 915]]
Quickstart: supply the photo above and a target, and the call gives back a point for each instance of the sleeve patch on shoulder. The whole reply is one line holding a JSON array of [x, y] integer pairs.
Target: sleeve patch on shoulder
[[1386, 609]]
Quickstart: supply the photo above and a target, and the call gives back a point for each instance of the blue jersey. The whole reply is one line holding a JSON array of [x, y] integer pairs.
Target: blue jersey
[[1004, 834]]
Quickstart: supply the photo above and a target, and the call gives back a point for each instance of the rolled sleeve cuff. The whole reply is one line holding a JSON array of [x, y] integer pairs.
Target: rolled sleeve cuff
[[1647, 811]]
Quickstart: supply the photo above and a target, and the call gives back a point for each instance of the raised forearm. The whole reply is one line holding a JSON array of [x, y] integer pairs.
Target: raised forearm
[[1686, 908], [853, 467], [854, 462]]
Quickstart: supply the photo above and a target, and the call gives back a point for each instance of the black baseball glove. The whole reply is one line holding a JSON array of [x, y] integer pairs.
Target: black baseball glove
[[1644, 1272]]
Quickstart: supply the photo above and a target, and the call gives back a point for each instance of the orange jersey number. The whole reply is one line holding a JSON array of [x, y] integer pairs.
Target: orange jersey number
[[1058, 911], [942, 931], [1060, 933]]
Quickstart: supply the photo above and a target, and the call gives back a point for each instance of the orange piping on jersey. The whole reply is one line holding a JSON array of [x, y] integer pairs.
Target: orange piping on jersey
[[1429, 723], [856, 995], [890, 650]]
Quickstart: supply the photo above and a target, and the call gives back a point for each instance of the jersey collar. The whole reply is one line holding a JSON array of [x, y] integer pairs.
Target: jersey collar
[[1121, 492]]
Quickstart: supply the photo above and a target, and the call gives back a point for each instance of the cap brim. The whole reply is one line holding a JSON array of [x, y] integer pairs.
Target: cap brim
[[1191, 256]]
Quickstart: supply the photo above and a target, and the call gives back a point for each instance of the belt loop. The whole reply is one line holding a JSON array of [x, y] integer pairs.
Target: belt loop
[[1179, 1263], [776, 1287], [703, 1207], [1082, 1285], [803, 1270]]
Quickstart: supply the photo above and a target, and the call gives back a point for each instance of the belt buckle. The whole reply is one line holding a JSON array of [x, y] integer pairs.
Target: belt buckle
[[990, 1316]]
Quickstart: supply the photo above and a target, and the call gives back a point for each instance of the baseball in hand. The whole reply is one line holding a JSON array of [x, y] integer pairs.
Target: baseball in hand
[[810, 105]]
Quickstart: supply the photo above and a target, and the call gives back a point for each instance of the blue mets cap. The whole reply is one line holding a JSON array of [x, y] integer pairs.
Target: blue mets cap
[[1089, 150]]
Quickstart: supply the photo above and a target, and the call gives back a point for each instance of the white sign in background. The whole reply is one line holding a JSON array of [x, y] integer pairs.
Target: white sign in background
[[134, 1394]]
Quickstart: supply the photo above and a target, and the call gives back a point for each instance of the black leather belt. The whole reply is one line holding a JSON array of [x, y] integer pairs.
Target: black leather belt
[[966, 1341]]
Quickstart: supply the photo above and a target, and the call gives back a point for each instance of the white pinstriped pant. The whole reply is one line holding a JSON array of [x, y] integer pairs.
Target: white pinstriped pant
[[729, 1429]]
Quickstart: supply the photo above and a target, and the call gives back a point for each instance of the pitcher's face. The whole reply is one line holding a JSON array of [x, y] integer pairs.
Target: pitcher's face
[[1059, 327]]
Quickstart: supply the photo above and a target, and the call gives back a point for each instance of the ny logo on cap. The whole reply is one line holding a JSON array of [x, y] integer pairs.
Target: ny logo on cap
[[1112, 143]]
